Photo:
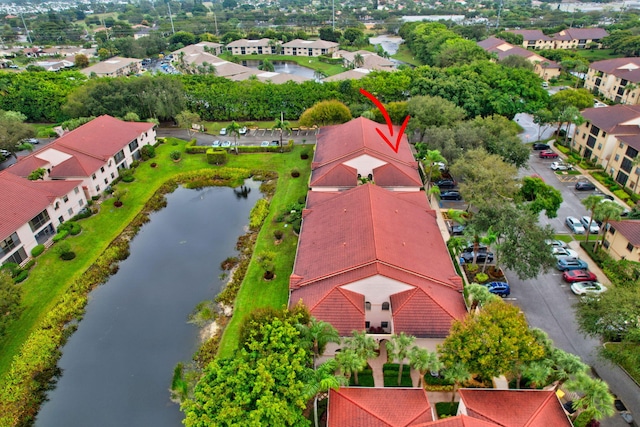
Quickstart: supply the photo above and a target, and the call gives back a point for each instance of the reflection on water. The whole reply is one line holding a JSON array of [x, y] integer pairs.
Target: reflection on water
[[287, 67]]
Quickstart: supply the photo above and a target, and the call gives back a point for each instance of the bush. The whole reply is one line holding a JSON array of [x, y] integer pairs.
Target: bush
[[175, 155], [37, 251], [126, 175], [29, 264], [60, 235], [21, 277], [258, 214], [621, 194], [12, 268], [192, 148], [295, 172], [304, 155], [446, 409], [68, 256], [278, 234], [134, 164], [216, 157], [481, 277], [70, 227], [148, 151], [84, 213]]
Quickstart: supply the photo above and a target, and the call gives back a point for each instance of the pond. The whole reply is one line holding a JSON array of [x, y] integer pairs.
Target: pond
[[288, 67], [117, 367]]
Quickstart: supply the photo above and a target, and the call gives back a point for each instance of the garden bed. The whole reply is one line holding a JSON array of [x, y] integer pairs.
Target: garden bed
[[390, 372], [365, 378]]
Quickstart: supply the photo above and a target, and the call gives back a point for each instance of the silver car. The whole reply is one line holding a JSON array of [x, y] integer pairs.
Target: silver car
[[592, 225], [574, 225]]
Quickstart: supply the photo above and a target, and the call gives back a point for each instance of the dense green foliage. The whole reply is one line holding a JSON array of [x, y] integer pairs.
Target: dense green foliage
[[9, 301]]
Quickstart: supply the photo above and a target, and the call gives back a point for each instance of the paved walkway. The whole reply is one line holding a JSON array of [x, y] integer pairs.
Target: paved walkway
[[377, 364]]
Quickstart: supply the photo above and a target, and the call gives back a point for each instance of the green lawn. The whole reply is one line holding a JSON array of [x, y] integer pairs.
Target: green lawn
[[563, 237], [365, 378], [390, 372], [597, 54], [405, 55], [50, 278], [312, 62], [626, 355]]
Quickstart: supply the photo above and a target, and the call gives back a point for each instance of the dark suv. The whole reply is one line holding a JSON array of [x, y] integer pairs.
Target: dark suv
[[585, 186], [540, 146], [445, 183]]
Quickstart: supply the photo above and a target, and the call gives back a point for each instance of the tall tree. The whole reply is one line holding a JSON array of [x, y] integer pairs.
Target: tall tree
[[325, 113], [398, 348], [319, 333], [13, 129], [591, 203], [186, 120], [457, 373], [350, 363], [430, 160], [605, 212], [281, 125], [320, 381], [364, 345], [233, 128], [596, 401], [423, 361], [540, 196], [10, 296]]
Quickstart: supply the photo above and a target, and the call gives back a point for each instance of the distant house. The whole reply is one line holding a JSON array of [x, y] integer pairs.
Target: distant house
[[208, 47], [141, 31], [372, 259], [571, 38], [370, 60], [55, 65], [622, 240], [611, 137], [615, 79], [354, 151], [300, 47], [247, 47], [115, 67], [268, 77], [545, 68]]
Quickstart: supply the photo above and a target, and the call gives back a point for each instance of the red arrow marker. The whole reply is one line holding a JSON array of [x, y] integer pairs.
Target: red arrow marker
[[383, 110]]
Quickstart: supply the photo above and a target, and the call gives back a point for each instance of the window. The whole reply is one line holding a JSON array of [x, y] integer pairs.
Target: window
[[81, 202], [629, 247], [384, 324], [56, 206], [367, 305], [65, 198], [367, 325], [39, 220], [102, 169], [106, 181], [119, 156], [113, 175], [626, 165], [93, 176], [620, 145], [595, 130], [17, 257], [76, 190], [109, 164], [98, 188], [133, 145], [70, 211], [385, 306], [599, 146], [616, 158], [9, 243], [631, 152], [60, 219], [611, 229]]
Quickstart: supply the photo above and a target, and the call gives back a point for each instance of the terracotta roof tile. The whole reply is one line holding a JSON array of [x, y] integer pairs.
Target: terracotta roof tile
[[343, 309], [334, 175], [629, 228], [459, 421], [625, 68], [631, 140], [25, 165], [581, 34], [609, 119], [383, 407], [396, 175], [531, 34], [526, 408]]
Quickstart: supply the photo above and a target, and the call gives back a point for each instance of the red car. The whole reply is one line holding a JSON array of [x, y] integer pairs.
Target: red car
[[548, 154], [579, 276]]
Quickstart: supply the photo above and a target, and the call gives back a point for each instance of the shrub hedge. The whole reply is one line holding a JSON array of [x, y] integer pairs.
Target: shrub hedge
[[37, 251], [60, 235], [258, 214], [192, 148], [216, 156]]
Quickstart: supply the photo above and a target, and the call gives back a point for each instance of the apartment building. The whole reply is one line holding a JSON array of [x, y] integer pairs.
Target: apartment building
[[615, 79]]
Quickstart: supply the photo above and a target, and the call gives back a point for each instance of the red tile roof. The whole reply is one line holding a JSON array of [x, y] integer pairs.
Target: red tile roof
[[503, 49], [625, 68], [27, 164], [609, 119], [515, 408], [369, 224], [631, 140], [531, 34], [335, 175], [459, 421], [21, 199], [581, 34], [629, 228], [343, 309], [102, 137], [378, 407], [356, 138]]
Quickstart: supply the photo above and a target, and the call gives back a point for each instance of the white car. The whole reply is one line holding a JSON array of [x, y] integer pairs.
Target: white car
[[559, 166], [243, 130], [5, 153], [223, 131], [574, 225], [226, 144], [588, 288], [556, 243], [592, 225], [264, 144], [564, 253]]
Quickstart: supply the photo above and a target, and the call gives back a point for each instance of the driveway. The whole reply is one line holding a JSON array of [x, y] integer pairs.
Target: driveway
[[548, 302], [43, 142]]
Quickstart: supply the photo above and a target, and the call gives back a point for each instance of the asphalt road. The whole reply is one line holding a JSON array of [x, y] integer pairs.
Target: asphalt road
[[253, 137], [548, 302]]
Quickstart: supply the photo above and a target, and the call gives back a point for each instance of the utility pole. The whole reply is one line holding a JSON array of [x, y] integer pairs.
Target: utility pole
[[171, 17], [26, 30], [215, 21], [333, 12], [499, 11]]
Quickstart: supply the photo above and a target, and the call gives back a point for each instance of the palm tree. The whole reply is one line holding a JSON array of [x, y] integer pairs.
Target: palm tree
[[634, 163], [423, 360], [320, 381], [266, 66], [479, 295], [358, 60], [630, 87], [488, 239], [398, 348], [566, 365], [596, 401], [283, 126], [430, 159], [234, 129], [456, 245], [605, 212], [364, 345], [350, 363], [319, 75], [591, 203], [457, 374], [319, 333]]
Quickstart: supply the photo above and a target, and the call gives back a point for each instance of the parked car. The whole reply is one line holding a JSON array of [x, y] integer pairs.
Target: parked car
[[585, 186], [556, 243], [481, 248], [456, 229], [5, 153], [564, 253], [559, 166], [31, 141], [540, 146], [275, 143], [450, 195], [574, 225], [566, 264], [501, 289], [572, 276], [243, 130], [588, 288], [548, 154], [592, 225], [226, 144], [480, 258], [445, 183], [223, 131], [264, 144], [215, 143]]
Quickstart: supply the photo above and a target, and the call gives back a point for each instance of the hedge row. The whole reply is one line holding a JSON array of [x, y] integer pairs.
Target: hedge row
[[258, 214], [24, 387], [216, 156], [192, 148]]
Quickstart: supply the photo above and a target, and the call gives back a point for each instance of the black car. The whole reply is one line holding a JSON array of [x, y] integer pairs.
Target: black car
[[456, 229], [539, 146], [481, 249], [445, 183], [585, 186], [450, 195], [482, 256]]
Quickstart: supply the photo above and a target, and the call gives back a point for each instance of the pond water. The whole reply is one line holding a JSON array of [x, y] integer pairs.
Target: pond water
[[288, 67], [117, 367], [389, 43]]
